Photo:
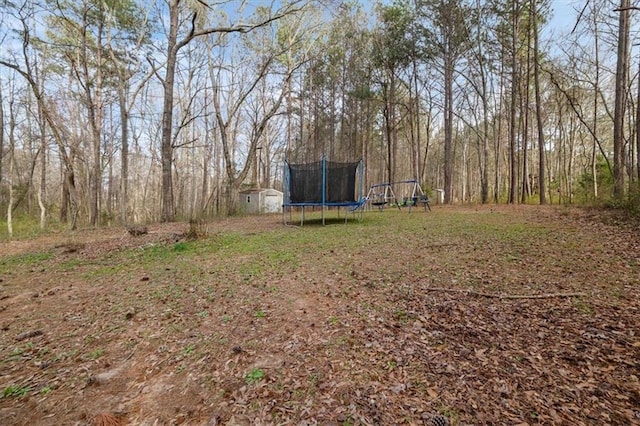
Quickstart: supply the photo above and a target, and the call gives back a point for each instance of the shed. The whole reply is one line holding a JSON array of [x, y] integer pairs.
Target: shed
[[260, 200]]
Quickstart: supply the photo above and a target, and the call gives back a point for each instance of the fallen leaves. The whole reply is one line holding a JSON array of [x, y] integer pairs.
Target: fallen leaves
[[521, 316]]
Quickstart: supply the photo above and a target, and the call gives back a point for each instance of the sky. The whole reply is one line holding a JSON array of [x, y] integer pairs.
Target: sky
[[564, 15]]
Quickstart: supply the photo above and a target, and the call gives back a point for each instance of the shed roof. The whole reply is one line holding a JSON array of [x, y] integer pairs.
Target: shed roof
[[260, 190]]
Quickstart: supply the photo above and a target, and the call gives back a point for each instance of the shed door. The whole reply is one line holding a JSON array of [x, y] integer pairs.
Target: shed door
[[272, 203]]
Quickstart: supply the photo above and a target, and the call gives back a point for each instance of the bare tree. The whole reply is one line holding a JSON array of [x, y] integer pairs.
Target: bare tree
[[196, 14], [55, 123], [125, 67], [228, 107]]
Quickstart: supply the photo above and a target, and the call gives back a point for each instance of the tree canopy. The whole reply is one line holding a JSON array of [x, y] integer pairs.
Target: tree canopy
[[127, 111]]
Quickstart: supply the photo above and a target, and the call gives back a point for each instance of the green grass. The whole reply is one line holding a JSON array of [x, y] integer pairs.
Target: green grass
[[93, 355], [27, 260], [15, 391], [26, 227], [254, 376]]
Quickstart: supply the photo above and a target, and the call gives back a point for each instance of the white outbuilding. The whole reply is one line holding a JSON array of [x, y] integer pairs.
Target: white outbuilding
[[260, 200]]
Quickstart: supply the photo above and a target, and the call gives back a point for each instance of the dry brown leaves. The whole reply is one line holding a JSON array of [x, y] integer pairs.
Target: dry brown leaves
[[351, 337]]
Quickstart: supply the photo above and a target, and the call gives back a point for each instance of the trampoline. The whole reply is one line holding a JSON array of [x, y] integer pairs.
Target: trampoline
[[323, 184]]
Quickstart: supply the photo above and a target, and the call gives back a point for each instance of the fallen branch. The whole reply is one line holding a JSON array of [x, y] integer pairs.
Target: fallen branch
[[506, 296], [29, 334]]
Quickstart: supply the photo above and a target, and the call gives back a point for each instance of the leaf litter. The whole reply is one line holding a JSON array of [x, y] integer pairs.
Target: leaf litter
[[489, 315]]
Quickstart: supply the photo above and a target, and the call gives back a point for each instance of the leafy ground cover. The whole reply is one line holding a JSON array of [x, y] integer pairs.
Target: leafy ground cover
[[487, 315]]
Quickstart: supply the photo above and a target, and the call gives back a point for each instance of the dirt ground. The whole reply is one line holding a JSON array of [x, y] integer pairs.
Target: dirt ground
[[543, 330]]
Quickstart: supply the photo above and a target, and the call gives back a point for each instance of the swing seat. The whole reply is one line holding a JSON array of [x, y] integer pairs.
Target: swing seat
[[424, 200]]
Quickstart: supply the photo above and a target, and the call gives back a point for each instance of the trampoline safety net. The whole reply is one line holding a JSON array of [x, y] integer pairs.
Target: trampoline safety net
[[306, 182]]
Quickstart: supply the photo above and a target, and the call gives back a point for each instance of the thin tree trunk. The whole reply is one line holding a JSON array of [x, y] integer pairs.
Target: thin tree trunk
[[12, 160], [94, 111], [388, 131], [513, 176], [525, 129], [448, 129], [427, 142], [498, 139], [484, 149], [536, 78], [418, 160], [594, 157], [11, 194], [1, 131], [622, 70], [394, 127], [43, 170], [637, 132]]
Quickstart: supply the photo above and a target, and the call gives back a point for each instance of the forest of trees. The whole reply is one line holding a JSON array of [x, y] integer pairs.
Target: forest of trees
[[125, 111]]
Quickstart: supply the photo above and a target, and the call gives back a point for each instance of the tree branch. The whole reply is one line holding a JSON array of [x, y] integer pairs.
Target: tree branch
[[572, 103], [506, 296], [242, 28], [624, 9]]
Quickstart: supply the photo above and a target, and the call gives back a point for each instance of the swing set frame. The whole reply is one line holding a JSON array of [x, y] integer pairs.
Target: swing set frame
[[381, 194]]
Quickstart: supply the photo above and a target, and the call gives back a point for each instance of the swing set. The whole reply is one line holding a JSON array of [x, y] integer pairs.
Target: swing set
[[382, 194]]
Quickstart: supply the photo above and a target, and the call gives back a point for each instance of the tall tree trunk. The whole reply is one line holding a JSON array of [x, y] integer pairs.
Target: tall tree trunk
[[11, 193], [637, 133], [12, 161], [525, 127], [536, 78], [498, 139], [622, 70], [43, 169], [124, 153], [418, 148], [167, 213], [484, 142], [427, 142], [448, 128], [394, 127], [206, 160], [93, 97], [594, 157], [388, 130], [513, 125], [1, 131]]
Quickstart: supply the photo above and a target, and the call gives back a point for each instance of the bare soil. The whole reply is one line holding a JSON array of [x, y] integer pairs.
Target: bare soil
[[456, 326]]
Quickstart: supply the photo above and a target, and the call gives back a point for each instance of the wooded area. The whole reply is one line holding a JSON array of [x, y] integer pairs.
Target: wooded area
[[123, 111]]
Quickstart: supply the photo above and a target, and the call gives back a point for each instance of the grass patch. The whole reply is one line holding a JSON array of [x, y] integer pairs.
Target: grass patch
[[93, 355], [27, 260], [14, 391], [254, 376], [27, 227]]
